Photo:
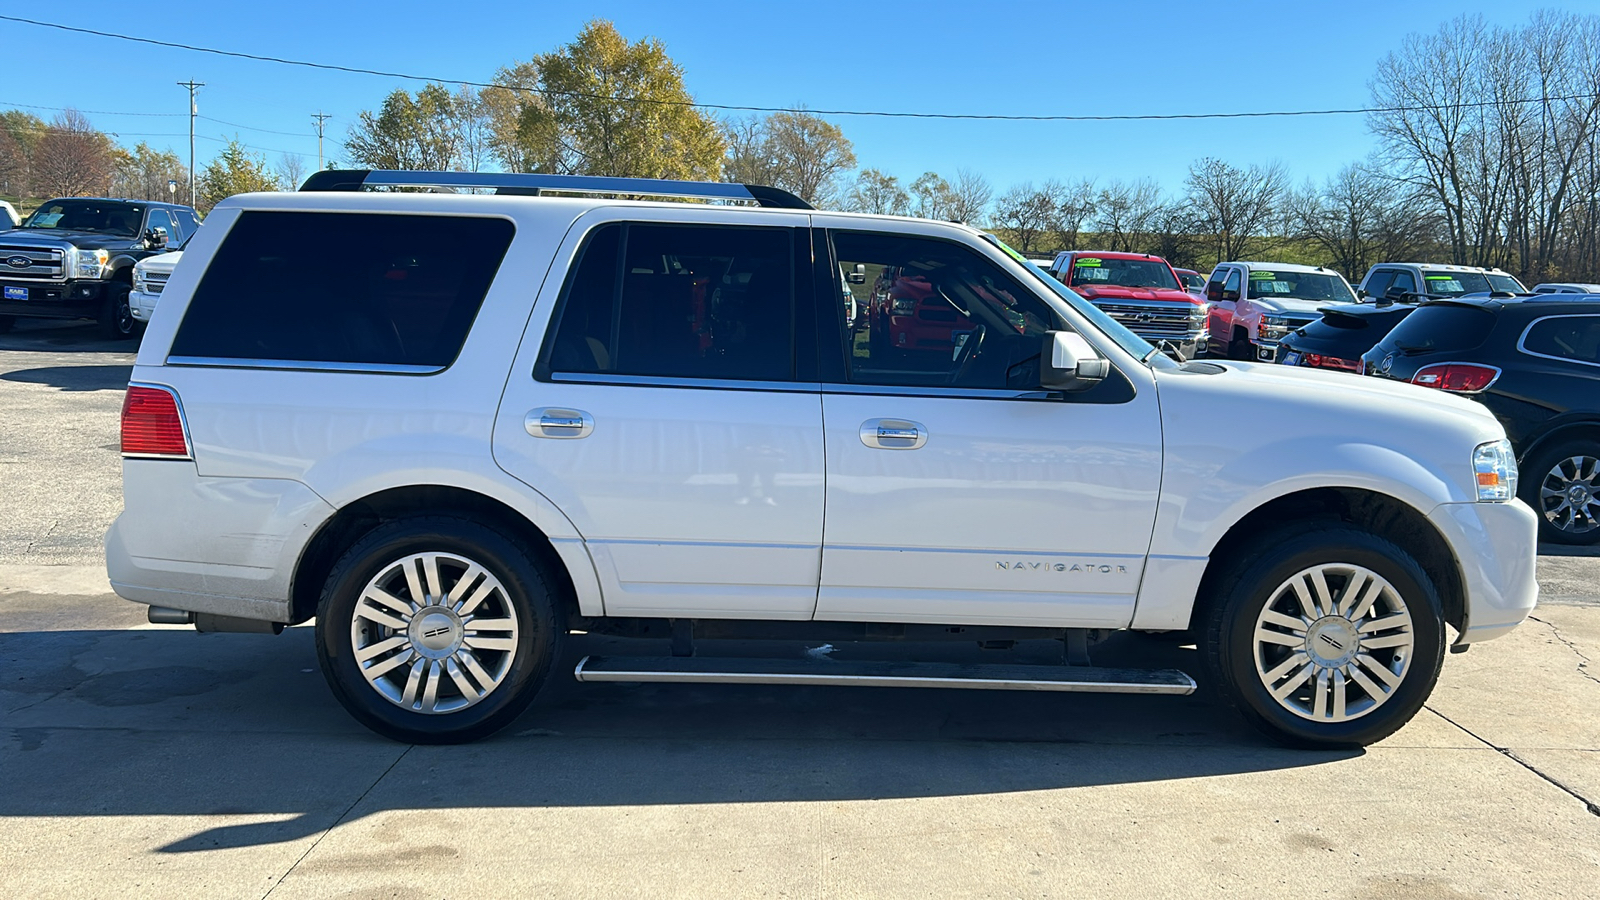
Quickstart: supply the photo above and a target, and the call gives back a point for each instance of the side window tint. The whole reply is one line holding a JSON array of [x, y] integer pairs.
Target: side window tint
[[188, 223], [397, 290], [1567, 337], [1379, 282], [1233, 281], [936, 313], [159, 219], [1404, 281], [679, 301]]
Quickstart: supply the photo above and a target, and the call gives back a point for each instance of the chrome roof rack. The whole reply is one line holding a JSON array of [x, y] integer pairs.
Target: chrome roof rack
[[534, 185]]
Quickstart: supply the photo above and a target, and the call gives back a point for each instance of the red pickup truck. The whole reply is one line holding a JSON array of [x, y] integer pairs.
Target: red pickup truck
[[1141, 292]]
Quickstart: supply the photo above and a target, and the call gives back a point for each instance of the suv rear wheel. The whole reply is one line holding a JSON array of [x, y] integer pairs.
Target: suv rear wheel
[[436, 630], [1562, 484], [1327, 637]]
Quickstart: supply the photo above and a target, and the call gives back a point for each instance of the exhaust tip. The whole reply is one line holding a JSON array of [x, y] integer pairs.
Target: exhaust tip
[[162, 615]]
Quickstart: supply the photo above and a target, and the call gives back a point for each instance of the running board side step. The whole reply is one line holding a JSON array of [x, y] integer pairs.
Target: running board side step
[[713, 670]]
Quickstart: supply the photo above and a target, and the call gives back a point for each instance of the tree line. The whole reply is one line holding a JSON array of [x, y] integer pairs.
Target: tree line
[[1487, 155]]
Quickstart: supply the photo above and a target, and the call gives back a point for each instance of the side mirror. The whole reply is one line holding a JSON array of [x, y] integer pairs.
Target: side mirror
[[1230, 296], [1395, 293], [1361, 294], [156, 238], [858, 275], [1068, 363], [1214, 291]]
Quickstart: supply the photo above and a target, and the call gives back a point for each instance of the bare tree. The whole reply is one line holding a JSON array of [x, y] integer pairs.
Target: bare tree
[[469, 112], [875, 192], [972, 194], [1075, 204], [1359, 218], [750, 156], [291, 170], [1027, 214], [933, 198], [73, 158], [809, 154], [1233, 205], [1126, 214]]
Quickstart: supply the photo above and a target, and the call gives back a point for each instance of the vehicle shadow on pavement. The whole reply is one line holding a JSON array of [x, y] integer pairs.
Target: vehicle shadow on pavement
[[171, 723], [74, 378]]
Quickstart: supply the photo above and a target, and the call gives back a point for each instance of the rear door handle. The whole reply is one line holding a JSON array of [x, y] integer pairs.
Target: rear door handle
[[558, 422], [893, 434]]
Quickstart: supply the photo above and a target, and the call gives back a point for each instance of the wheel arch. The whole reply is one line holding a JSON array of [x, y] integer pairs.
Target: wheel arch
[[1579, 428], [567, 559], [1373, 511]]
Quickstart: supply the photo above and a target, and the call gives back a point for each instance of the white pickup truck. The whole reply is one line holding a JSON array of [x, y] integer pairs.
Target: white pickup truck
[[495, 425], [1256, 304]]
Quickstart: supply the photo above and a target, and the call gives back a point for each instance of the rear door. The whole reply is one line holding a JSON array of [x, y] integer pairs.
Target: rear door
[[666, 400], [957, 491]]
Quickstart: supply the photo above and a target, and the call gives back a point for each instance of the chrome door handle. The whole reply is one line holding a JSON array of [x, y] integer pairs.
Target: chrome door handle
[[893, 434], [556, 422]]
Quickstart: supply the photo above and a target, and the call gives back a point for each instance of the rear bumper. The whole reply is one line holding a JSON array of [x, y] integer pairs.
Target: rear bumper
[[1496, 545], [235, 552]]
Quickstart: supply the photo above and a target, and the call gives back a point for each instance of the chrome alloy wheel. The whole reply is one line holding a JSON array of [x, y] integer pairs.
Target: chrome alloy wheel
[[434, 633], [1333, 643], [1569, 495]]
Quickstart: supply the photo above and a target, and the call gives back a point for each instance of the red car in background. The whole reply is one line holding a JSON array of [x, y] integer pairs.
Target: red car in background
[[1140, 291]]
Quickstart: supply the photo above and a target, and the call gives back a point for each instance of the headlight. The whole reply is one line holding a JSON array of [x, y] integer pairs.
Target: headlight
[[1272, 328], [1495, 468], [90, 264], [1200, 311]]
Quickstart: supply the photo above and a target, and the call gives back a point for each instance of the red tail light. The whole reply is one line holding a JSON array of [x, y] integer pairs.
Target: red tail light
[[1459, 378], [151, 424], [1318, 361]]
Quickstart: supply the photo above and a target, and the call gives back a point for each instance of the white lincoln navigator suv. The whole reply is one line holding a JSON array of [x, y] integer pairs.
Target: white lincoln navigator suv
[[456, 426]]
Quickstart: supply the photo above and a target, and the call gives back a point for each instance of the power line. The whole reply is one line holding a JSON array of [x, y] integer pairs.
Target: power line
[[729, 107], [252, 127], [91, 112]]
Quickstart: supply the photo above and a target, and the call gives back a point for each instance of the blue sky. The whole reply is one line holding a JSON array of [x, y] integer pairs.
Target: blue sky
[[1139, 56]]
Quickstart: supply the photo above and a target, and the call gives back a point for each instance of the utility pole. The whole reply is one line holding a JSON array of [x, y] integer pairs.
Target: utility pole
[[321, 117], [192, 85]]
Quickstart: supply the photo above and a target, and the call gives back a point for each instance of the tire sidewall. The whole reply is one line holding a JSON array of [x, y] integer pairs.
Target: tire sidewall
[[539, 628], [1233, 636], [1532, 479], [114, 311]]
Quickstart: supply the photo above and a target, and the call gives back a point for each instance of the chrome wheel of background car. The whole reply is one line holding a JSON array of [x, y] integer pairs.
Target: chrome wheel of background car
[[434, 632], [1569, 495], [1333, 643]]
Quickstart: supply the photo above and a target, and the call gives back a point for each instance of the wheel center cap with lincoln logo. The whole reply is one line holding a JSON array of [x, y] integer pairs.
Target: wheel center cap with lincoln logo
[[19, 262], [435, 632], [1332, 641]]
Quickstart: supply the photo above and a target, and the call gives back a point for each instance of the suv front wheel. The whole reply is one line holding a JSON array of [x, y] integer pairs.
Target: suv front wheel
[[116, 320], [435, 630], [1327, 637]]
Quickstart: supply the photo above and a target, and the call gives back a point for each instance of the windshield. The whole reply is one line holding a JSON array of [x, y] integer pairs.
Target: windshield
[[1300, 286], [98, 216], [1090, 271], [1454, 284], [1192, 281]]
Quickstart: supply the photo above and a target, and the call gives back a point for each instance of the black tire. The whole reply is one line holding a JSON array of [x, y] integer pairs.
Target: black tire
[[116, 322], [528, 592], [7, 323], [1239, 346], [1540, 468], [1244, 589]]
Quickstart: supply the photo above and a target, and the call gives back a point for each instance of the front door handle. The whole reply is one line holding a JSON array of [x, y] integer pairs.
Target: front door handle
[[558, 422], [893, 434]]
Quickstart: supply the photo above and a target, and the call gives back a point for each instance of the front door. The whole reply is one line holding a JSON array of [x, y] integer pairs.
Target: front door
[[670, 418], [957, 491]]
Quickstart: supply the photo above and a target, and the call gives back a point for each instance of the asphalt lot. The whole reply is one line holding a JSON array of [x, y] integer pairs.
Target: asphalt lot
[[152, 761]]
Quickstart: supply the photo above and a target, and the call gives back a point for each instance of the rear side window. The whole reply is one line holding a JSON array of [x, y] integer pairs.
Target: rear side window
[[1442, 328], [679, 301], [1565, 337], [350, 288]]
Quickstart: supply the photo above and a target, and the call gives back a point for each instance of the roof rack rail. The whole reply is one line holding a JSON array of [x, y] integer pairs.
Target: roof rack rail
[[534, 185]]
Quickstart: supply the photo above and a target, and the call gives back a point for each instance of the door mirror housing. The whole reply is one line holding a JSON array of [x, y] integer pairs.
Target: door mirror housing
[[1229, 296], [1069, 363], [1396, 293], [858, 275], [156, 238], [1214, 291]]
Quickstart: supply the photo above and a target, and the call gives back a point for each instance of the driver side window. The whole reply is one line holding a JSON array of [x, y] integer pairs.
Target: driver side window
[[935, 313], [1233, 282]]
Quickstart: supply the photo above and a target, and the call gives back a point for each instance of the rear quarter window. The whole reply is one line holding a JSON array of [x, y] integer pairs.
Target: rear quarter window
[[351, 288], [1576, 338], [1442, 328]]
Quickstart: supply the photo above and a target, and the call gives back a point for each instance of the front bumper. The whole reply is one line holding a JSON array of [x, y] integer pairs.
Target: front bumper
[[54, 299], [142, 305], [1496, 546]]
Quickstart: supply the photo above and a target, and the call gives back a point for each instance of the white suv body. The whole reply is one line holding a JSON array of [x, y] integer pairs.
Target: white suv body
[[1254, 304], [853, 485]]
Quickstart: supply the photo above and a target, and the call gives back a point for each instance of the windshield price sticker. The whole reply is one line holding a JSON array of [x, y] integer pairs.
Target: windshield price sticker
[[1087, 263]]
